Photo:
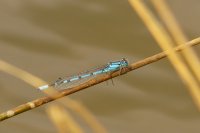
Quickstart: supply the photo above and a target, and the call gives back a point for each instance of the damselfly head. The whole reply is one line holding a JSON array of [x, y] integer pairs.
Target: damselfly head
[[124, 62]]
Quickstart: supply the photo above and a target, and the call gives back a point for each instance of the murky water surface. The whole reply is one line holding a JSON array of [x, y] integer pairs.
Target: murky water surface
[[52, 38]]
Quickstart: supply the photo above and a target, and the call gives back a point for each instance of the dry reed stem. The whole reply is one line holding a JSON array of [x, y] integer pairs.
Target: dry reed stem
[[86, 115], [38, 102], [35, 81], [21, 74], [166, 43], [62, 120], [178, 35]]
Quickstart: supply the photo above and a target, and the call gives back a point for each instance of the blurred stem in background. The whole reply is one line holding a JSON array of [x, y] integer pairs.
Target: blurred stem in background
[[85, 114], [177, 34], [62, 120], [72, 104], [166, 43]]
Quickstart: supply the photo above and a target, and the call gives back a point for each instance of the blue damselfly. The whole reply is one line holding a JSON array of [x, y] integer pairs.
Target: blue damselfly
[[67, 81]]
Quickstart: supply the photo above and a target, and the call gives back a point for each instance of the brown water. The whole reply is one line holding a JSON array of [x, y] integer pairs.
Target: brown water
[[60, 37]]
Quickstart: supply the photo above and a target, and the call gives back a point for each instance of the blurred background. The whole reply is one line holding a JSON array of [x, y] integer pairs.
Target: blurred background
[[56, 38]]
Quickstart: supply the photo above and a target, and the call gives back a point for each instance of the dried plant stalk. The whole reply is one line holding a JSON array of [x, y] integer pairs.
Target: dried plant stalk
[[41, 101], [178, 35], [35, 82], [166, 43], [87, 116], [62, 120]]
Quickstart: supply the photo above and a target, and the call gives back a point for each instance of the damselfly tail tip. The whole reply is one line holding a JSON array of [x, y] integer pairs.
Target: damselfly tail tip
[[44, 87]]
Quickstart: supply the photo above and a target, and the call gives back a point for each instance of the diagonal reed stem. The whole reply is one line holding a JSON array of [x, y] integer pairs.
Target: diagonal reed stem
[[38, 102], [165, 41]]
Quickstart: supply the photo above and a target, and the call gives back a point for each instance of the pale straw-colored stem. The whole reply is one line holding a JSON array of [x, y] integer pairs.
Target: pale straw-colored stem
[[166, 43], [174, 28], [41, 101]]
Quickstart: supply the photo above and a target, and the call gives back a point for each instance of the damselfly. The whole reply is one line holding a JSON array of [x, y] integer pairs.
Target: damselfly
[[108, 68]]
